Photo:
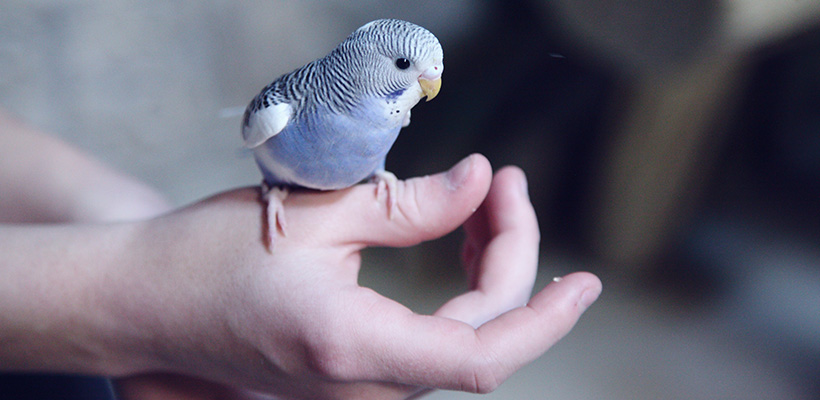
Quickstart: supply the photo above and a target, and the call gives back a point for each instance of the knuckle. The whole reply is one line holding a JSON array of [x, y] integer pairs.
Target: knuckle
[[330, 365], [483, 375], [409, 208], [330, 357]]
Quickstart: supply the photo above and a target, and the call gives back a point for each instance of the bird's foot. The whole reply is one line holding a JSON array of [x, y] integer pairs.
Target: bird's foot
[[387, 184], [274, 197]]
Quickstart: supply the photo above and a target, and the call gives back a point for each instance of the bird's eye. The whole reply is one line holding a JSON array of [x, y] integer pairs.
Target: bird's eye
[[402, 63]]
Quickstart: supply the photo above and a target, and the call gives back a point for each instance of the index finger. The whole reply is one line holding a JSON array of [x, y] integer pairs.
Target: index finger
[[501, 252], [427, 207], [394, 345]]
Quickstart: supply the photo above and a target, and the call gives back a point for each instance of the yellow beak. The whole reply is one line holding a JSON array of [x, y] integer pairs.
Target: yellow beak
[[430, 88]]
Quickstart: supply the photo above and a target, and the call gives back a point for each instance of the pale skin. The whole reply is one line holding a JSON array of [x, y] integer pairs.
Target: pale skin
[[191, 304], [43, 179]]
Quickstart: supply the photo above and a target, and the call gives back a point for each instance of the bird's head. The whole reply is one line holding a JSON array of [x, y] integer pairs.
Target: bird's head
[[393, 56]]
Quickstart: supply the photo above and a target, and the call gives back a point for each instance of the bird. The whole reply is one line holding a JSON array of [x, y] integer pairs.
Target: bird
[[329, 124]]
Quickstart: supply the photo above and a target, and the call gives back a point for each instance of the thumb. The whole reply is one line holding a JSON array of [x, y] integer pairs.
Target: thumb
[[426, 208]]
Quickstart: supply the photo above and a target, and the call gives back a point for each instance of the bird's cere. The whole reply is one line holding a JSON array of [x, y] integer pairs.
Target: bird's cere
[[430, 81]]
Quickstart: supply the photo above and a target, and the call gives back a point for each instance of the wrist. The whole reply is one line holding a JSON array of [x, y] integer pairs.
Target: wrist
[[139, 298], [52, 298], [163, 302]]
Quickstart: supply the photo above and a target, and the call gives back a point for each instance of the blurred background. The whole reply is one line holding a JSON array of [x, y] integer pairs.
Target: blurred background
[[673, 148]]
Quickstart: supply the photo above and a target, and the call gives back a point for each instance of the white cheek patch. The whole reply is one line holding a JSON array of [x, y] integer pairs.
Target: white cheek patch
[[396, 110], [406, 119]]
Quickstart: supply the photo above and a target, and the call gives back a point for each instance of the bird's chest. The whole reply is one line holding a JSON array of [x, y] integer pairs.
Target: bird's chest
[[328, 150], [365, 132]]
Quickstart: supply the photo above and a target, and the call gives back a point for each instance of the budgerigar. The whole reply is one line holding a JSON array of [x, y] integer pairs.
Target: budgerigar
[[329, 124]]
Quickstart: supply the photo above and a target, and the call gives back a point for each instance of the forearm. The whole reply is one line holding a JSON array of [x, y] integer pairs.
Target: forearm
[[125, 298], [34, 170], [52, 295], [43, 179]]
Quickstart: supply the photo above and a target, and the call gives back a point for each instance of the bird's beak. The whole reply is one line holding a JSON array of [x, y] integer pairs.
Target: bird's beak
[[430, 81], [430, 88]]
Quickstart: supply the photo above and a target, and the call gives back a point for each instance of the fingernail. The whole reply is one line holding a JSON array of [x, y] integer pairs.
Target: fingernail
[[588, 297], [457, 175], [525, 187]]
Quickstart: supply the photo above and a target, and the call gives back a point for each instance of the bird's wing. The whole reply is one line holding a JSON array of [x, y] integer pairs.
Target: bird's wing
[[265, 123]]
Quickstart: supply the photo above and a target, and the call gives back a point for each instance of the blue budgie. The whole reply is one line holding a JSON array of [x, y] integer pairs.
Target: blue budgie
[[329, 124]]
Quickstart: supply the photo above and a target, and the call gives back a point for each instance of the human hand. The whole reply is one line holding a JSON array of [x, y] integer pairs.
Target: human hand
[[211, 303]]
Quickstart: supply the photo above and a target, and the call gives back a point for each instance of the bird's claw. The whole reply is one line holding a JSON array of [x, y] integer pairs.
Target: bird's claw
[[387, 184], [275, 197]]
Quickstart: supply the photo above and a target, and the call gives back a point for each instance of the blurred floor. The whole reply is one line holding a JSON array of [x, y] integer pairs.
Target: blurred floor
[[715, 309]]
